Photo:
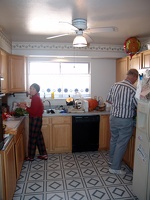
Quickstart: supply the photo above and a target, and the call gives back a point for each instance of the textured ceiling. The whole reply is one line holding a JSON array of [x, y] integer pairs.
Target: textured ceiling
[[35, 20]]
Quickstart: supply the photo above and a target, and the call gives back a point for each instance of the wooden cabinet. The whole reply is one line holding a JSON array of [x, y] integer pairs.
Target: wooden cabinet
[[8, 172], [129, 154], [4, 70], [136, 62], [57, 133], [104, 134], [19, 148], [17, 73], [61, 134], [124, 64], [46, 130], [11, 161], [121, 68], [146, 59]]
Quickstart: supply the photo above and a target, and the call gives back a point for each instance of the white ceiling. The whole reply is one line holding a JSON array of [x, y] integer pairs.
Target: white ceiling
[[35, 20]]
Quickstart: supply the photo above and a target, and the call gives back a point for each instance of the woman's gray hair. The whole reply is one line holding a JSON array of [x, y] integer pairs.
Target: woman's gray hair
[[36, 86]]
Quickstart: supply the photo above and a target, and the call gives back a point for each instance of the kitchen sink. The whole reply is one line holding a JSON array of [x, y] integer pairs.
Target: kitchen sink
[[54, 111]]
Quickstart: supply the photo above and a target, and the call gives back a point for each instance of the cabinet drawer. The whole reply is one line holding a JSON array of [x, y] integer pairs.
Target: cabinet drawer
[[46, 120], [61, 120]]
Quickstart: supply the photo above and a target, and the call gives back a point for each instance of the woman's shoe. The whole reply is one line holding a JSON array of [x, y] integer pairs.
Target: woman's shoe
[[43, 157], [29, 159]]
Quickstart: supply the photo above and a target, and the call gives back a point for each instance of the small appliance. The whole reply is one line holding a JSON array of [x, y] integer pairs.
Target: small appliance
[[85, 105]]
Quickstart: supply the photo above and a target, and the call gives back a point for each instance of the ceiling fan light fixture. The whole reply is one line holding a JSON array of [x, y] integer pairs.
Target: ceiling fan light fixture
[[79, 41]]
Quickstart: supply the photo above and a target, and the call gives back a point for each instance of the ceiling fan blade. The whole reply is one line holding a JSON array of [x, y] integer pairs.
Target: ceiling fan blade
[[88, 38], [102, 29], [56, 36], [74, 28]]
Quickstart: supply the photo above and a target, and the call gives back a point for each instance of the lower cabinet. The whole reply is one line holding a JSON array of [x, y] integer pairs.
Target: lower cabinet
[[57, 133], [11, 161], [129, 154], [46, 130], [104, 140], [8, 172], [61, 135], [104, 133], [19, 148]]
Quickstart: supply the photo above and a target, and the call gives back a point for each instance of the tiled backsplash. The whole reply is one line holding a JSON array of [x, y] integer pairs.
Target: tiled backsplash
[[23, 98]]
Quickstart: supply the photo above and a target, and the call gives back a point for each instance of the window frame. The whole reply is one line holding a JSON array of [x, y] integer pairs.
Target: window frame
[[62, 95]]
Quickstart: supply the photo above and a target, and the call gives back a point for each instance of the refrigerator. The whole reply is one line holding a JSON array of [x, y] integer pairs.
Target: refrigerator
[[141, 170]]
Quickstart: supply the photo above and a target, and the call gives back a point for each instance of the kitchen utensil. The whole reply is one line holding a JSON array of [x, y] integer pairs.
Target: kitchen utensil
[[78, 103], [70, 101]]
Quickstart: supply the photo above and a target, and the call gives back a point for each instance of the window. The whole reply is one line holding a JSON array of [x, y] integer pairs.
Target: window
[[61, 78]]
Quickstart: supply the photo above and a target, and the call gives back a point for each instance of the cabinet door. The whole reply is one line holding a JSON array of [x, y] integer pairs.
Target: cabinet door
[[4, 70], [132, 146], [104, 135], [129, 154], [121, 68], [46, 131], [17, 74], [136, 62], [61, 138], [46, 135], [19, 149], [126, 157], [10, 171], [146, 59]]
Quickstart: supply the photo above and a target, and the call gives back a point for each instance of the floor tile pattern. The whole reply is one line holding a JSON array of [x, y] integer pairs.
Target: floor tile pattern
[[73, 176]]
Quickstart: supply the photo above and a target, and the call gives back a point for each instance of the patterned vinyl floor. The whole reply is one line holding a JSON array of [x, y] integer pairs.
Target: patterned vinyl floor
[[73, 176]]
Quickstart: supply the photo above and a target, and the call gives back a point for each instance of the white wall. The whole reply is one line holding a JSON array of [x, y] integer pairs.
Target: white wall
[[102, 59], [103, 75]]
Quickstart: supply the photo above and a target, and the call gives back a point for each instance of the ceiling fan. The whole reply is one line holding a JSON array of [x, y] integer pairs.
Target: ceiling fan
[[79, 28]]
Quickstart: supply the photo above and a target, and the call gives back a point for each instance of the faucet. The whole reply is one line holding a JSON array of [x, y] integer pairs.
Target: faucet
[[48, 102]]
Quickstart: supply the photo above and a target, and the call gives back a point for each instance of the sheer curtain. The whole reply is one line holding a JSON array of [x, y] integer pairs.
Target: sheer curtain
[[63, 79]]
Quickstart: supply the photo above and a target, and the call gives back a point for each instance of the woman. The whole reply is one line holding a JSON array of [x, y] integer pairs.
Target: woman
[[35, 124]]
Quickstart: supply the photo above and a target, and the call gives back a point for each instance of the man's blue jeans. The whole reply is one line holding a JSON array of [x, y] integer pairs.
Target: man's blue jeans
[[121, 132]]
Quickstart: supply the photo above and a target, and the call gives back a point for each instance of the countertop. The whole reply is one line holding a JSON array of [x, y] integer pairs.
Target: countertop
[[76, 113], [13, 123], [11, 129]]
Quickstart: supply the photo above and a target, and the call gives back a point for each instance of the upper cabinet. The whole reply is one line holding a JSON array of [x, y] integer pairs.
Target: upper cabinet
[[121, 68], [4, 70], [146, 59], [17, 73], [136, 62], [124, 64]]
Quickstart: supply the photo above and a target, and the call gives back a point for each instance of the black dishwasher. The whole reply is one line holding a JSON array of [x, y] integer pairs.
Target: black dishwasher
[[85, 133]]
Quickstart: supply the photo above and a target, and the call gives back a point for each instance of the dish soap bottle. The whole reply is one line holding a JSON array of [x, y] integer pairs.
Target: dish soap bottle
[[52, 95]]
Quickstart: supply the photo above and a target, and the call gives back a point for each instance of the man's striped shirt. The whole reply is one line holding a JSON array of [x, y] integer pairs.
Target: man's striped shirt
[[122, 97]]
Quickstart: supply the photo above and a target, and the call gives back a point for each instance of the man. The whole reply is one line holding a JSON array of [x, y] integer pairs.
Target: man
[[123, 108]]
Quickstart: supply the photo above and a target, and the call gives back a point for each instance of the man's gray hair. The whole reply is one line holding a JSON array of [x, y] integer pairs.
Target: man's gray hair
[[133, 72]]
